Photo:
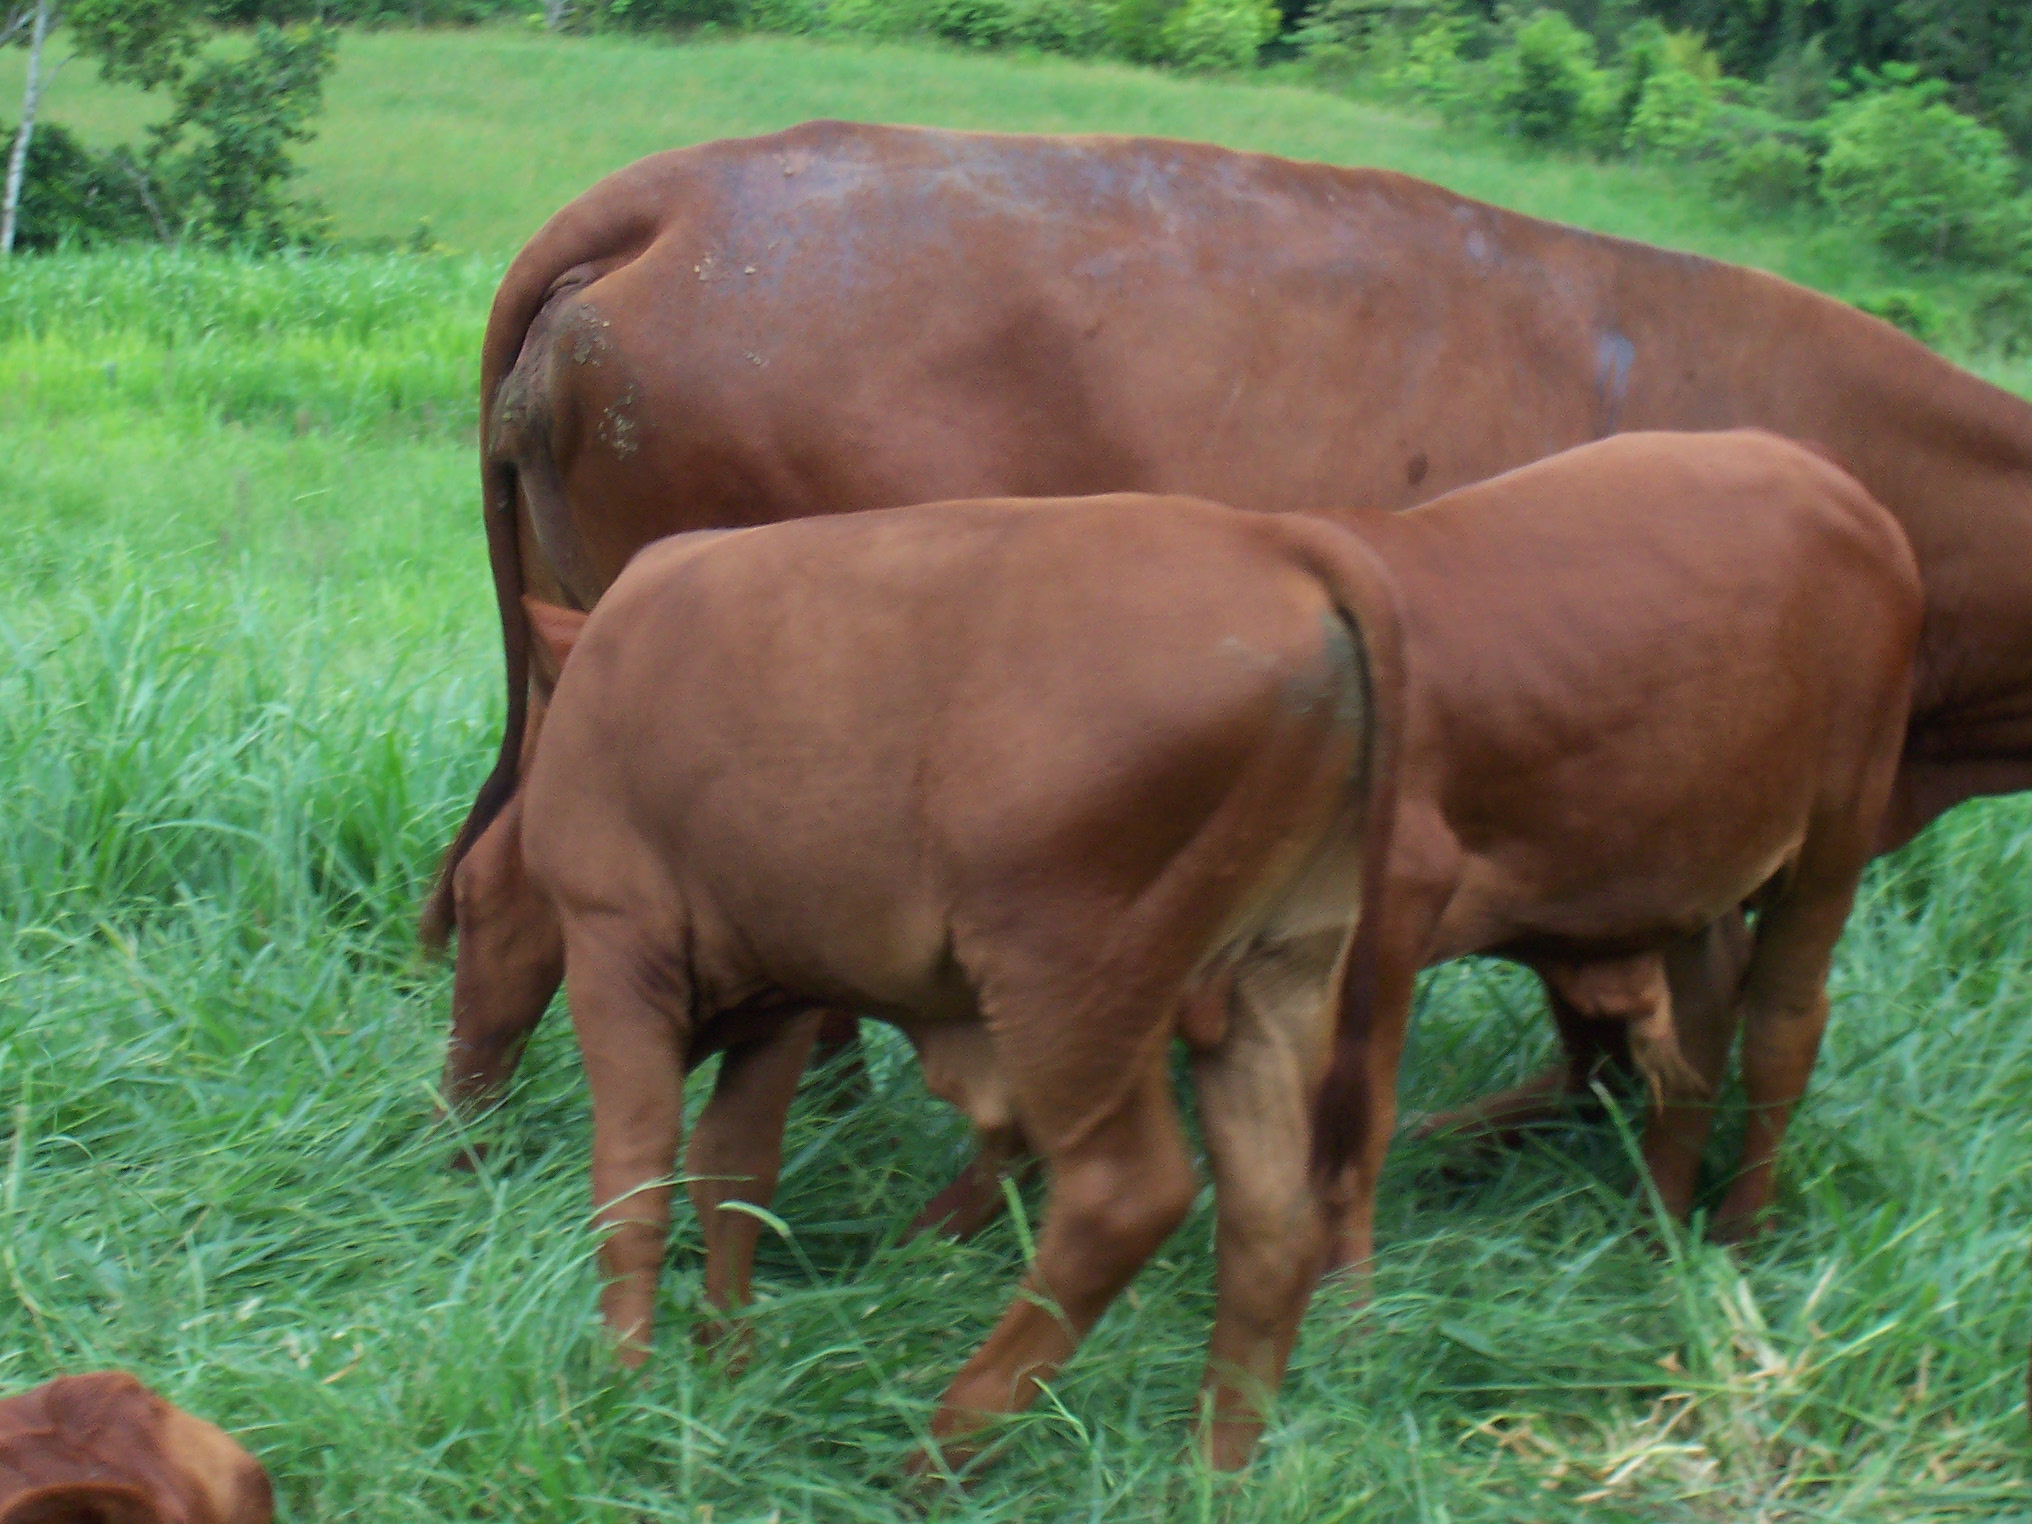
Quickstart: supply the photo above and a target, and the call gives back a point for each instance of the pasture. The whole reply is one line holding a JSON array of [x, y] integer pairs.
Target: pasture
[[248, 679]]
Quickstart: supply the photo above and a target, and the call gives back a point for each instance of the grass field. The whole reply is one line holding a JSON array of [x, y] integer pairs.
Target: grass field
[[247, 681]]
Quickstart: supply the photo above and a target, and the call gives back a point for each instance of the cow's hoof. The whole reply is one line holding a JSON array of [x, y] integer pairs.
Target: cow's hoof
[[1227, 1446], [1738, 1229], [467, 1158]]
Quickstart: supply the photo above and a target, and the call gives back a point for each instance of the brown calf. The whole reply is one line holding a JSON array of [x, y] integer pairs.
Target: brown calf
[[1620, 727], [1016, 777], [101, 1448]]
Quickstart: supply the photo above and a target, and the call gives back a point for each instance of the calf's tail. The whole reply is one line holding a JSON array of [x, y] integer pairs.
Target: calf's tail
[[1366, 597]]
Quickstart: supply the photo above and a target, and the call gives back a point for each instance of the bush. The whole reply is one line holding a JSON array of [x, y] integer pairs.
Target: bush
[[1671, 115], [1918, 315], [2000, 312], [1218, 34], [1915, 174], [366, 13], [71, 195], [242, 114], [1075, 27], [1362, 31], [795, 16], [977, 23], [1548, 87], [1435, 71], [1136, 29], [1767, 172], [659, 15]]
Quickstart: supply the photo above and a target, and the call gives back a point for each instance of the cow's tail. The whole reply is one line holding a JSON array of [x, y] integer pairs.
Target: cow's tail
[[586, 240], [1366, 597], [504, 558]]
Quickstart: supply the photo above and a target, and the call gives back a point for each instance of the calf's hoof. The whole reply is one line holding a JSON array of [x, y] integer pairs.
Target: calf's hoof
[[963, 1208], [727, 1342], [1738, 1228], [956, 1464], [467, 1158], [1228, 1445]]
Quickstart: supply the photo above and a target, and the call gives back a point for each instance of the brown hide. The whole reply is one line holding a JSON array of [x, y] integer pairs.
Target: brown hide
[[1031, 779], [1621, 726], [1017, 776], [102, 1447], [841, 317]]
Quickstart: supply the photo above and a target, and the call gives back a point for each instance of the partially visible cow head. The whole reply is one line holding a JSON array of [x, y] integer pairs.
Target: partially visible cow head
[[102, 1448], [82, 1503], [557, 631]]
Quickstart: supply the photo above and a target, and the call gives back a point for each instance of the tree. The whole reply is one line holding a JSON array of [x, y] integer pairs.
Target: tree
[[142, 42], [216, 166], [37, 21]]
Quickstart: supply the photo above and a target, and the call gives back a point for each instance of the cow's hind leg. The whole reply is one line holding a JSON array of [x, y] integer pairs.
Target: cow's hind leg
[[1120, 1185], [974, 1197], [1554, 1092], [629, 1010], [736, 1151], [1274, 1228], [839, 1047], [1702, 973], [510, 960]]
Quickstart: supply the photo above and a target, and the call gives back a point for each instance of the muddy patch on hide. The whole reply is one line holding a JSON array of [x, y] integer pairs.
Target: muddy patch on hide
[[617, 428]]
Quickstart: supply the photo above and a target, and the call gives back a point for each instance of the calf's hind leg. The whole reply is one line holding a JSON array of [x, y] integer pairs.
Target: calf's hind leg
[[1274, 1228], [509, 961], [634, 1052], [1120, 1185], [1784, 1013], [736, 1151]]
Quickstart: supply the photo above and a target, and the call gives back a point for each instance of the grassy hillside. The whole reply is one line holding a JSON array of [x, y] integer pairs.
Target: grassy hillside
[[487, 132], [248, 678]]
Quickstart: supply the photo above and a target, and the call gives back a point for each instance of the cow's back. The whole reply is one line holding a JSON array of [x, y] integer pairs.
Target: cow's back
[[842, 317]]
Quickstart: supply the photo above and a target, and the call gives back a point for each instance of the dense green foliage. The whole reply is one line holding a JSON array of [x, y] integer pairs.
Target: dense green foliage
[[1895, 117], [248, 676], [520, 121], [71, 194], [1886, 153], [216, 169]]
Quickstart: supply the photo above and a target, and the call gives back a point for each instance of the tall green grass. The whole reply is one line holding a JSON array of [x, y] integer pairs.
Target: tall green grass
[[331, 341], [248, 677], [221, 1169]]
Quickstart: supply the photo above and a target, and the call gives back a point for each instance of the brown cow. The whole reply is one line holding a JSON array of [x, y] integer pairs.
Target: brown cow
[[101, 1448], [840, 317], [1017, 776], [1035, 781]]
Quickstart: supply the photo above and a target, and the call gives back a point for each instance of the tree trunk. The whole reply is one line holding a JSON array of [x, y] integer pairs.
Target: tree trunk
[[17, 161]]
